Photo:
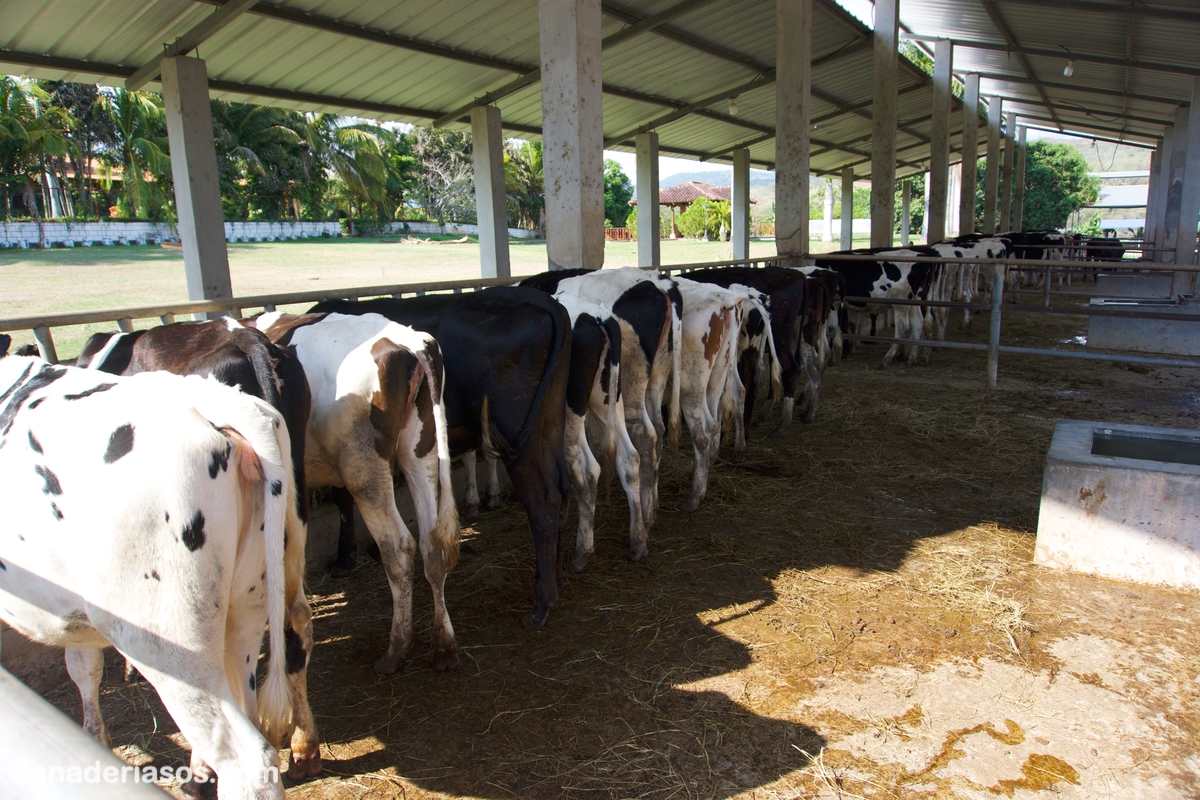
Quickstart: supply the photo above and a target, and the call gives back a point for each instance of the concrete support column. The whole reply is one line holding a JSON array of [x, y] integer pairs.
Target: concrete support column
[[970, 150], [572, 132], [925, 216], [1006, 183], [1164, 186], [491, 201], [1018, 219], [1189, 209], [793, 82], [1175, 184], [1152, 194], [827, 229], [649, 254], [954, 201], [847, 207], [884, 121], [197, 186], [905, 209], [991, 179], [939, 144], [740, 204]]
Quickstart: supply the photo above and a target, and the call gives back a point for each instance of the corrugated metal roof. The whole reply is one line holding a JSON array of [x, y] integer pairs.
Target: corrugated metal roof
[[418, 60]]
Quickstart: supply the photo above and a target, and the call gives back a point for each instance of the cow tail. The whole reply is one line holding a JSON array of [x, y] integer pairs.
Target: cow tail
[[560, 348], [674, 420], [264, 371], [446, 532], [264, 455], [768, 349]]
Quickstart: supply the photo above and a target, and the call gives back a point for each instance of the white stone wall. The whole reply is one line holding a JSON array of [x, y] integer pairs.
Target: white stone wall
[[86, 234], [429, 228]]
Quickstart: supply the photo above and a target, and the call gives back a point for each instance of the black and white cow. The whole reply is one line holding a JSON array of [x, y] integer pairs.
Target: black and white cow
[[506, 353], [963, 283], [648, 309], [900, 280], [377, 408], [148, 513], [243, 358], [756, 360]]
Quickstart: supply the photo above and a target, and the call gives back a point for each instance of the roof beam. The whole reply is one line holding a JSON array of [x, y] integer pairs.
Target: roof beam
[[1071, 87], [1065, 106], [688, 109], [330, 25], [1112, 61], [1141, 10], [643, 25], [1082, 135], [688, 40], [997, 20], [189, 41], [1104, 128]]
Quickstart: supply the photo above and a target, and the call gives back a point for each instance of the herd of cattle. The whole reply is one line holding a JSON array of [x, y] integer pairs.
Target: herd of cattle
[[164, 513]]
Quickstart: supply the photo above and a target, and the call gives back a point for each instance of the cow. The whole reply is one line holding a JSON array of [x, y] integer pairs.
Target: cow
[[377, 407], [150, 513], [594, 401], [243, 358], [648, 308], [787, 302], [833, 288], [901, 280], [756, 358], [506, 353], [963, 284]]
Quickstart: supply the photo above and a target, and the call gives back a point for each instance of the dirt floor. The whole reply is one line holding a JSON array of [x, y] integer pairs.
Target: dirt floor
[[853, 612]]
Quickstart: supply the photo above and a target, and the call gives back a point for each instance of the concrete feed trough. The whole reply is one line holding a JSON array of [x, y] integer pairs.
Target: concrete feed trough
[[1122, 501]]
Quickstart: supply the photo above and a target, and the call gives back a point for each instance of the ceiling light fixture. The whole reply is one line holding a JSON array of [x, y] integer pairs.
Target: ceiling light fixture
[[733, 109], [1069, 69]]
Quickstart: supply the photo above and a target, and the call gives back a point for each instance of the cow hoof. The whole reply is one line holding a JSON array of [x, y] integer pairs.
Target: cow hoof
[[493, 503], [739, 456], [535, 620], [779, 431], [639, 553], [341, 568], [471, 511], [579, 562], [688, 505], [445, 658], [304, 767], [388, 664]]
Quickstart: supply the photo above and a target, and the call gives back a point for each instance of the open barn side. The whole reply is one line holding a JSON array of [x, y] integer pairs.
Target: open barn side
[[853, 611]]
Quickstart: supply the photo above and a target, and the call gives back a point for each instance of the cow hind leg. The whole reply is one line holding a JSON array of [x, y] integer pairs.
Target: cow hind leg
[[347, 552], [540, 488], [494, 498], [471, 483], [585, 478], [305, 745], [85, 665], [812, 389], [628, 464], [701, 430]]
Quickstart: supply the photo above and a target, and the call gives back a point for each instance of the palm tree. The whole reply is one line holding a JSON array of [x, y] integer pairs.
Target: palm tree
[[246, 134], [525, 184], [31, 130], [139, 120], [354, 153]]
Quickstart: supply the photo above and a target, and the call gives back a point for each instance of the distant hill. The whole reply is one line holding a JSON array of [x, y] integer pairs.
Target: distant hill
[[1108, 157], [715, 177]]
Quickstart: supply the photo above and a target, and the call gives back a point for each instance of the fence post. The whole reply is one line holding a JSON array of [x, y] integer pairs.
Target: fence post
[[1046, 295], [45, 343], [125, 325], [993, 353], [167, 319]]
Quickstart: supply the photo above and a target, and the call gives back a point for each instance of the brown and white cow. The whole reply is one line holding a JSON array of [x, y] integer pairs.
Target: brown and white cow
[[149, 513], [377, 408]]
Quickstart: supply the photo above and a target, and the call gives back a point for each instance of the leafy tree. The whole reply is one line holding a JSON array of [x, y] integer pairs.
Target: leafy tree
[[704, 218], [31, 130], [1056, 186], [354, 153], [142, 149], [93, 133], [444, 174], [525, 183], [617, 193], [258, 157], [916, 206], [862, 203]]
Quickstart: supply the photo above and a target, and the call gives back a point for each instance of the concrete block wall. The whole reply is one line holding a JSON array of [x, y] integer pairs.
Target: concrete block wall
[[86, 234], [454, 229], [278, 231]]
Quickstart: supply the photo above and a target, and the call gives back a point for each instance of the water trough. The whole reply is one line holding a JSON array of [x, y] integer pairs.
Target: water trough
[[1122, 501]]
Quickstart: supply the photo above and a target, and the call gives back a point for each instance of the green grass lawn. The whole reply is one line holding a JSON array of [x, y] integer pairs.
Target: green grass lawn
[[83, 279]]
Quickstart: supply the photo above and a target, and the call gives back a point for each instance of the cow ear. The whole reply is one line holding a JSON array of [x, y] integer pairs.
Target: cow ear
[[5, 341]]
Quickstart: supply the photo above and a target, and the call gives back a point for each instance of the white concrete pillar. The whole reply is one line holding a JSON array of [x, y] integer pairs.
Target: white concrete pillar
[[572, 132], [884, 121], [954, 201], [1175, 183], [649, 232], [1189, 210], [1164, 186], [905, 209], [793, 82], [739, 233], [847, 208], [1006, 182], [939, 144], [491, 200], [970, 149], [197, 185], [827, 229], [925, 216], [1152, 190], [991, 180], [1018, 218]]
